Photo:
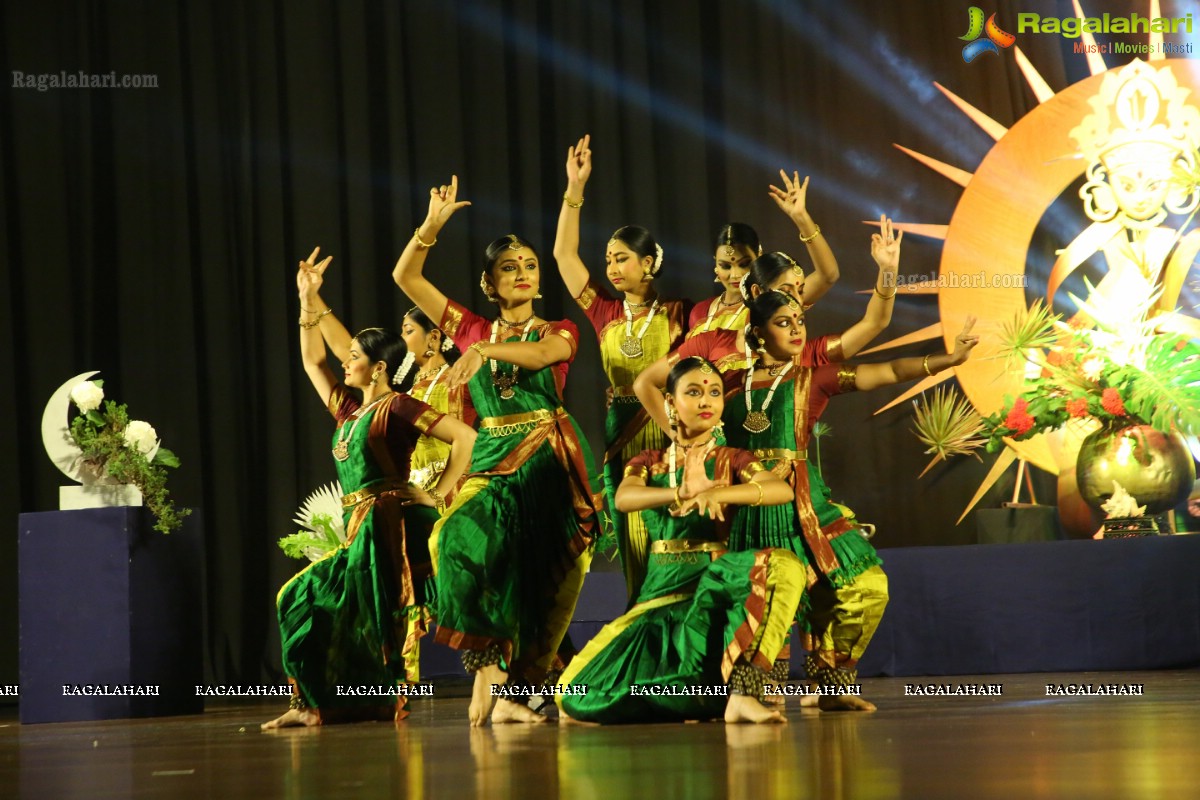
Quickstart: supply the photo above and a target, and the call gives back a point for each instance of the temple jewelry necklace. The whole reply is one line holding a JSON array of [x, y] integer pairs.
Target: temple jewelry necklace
[[341, 450], [758, 421], [708, 446], [632, 346], [436, 376], [647, 304], [506, 381], [773, 369]]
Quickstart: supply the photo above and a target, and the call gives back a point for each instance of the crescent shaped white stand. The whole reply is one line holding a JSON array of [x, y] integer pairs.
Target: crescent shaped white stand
[[93, 491]]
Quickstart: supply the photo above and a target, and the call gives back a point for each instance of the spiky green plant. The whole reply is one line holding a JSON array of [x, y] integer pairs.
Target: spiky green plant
[[948, 424], [320, 516], [1030, 328]]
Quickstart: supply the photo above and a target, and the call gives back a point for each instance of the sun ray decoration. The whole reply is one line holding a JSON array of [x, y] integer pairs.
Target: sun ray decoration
[[989, 200], [1095, 61]]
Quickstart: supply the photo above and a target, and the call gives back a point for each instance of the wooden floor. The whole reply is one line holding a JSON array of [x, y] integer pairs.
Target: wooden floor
[[1019, 745]]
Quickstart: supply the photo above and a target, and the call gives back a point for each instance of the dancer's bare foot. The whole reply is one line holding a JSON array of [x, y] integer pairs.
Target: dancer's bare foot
[[844, 702], [482, 699], [507, 711], [812, 699], [773, 694], [567, 719], [293, 718], [741, 708]]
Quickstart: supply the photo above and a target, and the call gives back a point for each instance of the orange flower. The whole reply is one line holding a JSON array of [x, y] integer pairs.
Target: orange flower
[[1078, 407], [1111, 400], [1018, 418]]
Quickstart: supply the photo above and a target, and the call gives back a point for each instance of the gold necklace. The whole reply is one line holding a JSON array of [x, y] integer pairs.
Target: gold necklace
[[341, 450]]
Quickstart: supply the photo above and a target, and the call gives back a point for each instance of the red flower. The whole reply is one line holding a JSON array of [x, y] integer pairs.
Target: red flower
[[1111, 400], [1078, 407], [1018, 418]]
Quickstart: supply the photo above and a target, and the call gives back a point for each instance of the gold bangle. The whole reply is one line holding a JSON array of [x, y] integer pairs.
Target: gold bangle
[[815, 234], [314, 322], [886, 296], [439, 502], [421, 242], [567, 200], [678, 502], [758, 486], [478, 348], [925, 365], [311, 311]]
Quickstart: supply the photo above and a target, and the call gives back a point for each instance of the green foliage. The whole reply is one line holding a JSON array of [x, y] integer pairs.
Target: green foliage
[[947, 424], [101, 438]]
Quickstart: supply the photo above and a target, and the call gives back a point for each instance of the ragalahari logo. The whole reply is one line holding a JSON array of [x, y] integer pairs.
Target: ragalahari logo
[[996, 38]]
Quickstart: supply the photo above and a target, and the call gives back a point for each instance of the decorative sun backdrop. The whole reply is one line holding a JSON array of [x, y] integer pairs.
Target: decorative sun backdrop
[[987, 244]]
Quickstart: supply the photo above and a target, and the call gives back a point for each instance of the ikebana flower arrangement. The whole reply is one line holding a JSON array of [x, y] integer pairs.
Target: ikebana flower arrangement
[[125, 451], [1118, 373], [320, 518], [1109, 363]]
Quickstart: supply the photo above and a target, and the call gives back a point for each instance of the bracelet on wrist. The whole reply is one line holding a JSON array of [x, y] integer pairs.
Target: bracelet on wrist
[[571, 203], [478, 348], [312, 323], [925, 366], [424, 245], [886, 296], [811, 236], [758, 486]]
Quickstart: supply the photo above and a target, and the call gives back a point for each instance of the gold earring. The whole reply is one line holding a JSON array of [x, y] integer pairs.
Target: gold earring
[[489, 291]]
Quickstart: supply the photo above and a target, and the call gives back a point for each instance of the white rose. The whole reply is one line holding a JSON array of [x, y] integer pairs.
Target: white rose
[[87, 396], [140, 436]]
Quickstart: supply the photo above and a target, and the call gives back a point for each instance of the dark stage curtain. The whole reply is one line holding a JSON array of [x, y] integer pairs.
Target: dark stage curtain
[[153, 234]]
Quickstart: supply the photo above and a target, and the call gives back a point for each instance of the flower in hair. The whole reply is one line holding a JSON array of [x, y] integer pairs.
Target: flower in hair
[[405, 367]]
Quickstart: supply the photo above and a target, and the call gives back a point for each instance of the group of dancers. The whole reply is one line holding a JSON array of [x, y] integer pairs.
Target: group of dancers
[[473, 500]]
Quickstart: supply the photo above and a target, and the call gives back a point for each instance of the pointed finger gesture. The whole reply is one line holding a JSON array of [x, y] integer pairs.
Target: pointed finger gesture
[[792, 198], [964, 342], [311, 274], [443, 202], [885, 245]]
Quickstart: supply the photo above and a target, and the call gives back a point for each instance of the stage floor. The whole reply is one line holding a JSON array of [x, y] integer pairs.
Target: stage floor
[[1019, 744]]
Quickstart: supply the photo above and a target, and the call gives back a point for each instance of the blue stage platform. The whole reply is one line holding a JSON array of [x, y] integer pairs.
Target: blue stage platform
[[1065, 606]]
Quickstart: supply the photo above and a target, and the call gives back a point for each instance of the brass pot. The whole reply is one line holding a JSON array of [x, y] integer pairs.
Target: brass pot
[[1156, 468]]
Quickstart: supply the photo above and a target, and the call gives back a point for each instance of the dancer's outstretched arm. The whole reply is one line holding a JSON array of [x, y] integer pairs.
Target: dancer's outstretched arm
[[792, 200], [885, 249], [889, 373], [566, 242], [408, 273]]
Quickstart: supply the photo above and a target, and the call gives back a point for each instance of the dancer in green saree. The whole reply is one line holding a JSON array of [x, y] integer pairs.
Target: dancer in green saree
[[510, 555], [349, 622], [770, 410], [705, 628]]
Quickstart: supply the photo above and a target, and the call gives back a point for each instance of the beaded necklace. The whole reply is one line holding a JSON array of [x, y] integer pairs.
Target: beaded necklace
[[506, 381], [632, 346]]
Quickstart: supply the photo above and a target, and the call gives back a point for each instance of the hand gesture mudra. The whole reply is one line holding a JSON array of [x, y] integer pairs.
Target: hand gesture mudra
[[885, 245], [579, 162], [695, 477], [964, 343], [443, 202], [311, 274], [792, 197]]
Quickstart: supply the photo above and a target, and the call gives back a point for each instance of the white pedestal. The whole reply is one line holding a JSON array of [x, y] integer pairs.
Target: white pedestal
[[98, 495]]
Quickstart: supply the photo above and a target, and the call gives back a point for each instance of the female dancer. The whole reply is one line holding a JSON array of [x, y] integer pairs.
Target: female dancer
[[729, 350], [737, 246], [633, 332], [772, 416], [703, 617], [432, 353], [510, 554], [346, 620]]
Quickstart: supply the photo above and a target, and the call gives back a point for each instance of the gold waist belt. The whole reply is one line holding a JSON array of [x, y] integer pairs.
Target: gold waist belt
[[686, 546], [354, 498], [515, 423], [780, 454]]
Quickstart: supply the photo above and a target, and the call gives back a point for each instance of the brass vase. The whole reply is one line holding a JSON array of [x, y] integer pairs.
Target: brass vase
[[1154, 467]]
